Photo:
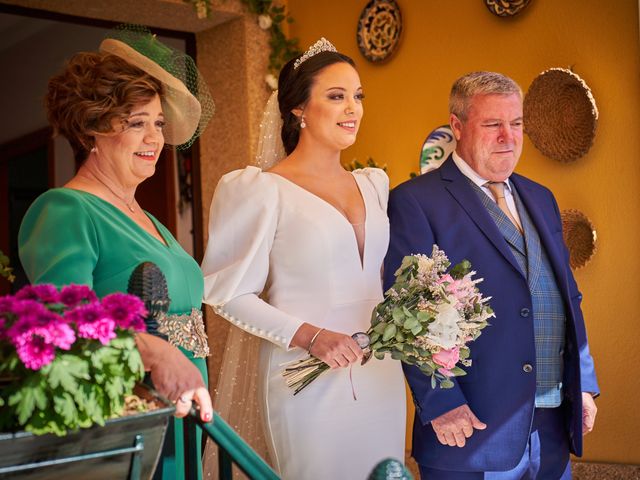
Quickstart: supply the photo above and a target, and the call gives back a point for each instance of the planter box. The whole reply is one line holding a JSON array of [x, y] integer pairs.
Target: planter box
[[126, 447]]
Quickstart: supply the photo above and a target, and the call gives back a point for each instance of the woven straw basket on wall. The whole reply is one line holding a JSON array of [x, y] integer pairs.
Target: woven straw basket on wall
[[560, 115]]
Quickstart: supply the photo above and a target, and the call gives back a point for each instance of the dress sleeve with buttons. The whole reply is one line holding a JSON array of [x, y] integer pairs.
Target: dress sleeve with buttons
[[242, 225]]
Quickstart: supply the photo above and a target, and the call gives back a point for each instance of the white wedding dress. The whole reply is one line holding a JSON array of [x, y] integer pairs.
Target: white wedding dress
[[279, 256]]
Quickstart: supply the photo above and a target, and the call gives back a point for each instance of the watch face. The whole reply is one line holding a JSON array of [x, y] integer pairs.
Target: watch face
[[379, 29], [362, 339]]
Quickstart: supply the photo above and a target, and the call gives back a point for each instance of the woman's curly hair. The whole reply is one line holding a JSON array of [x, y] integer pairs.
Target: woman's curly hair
[[92, 91]]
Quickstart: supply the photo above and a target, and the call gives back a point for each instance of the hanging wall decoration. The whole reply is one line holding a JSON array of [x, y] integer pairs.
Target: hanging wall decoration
[[440, 143], [379, 29], [506, 8], [579, 236], [560, 115]]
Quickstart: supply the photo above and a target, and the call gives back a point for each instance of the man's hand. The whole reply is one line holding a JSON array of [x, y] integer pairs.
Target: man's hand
[[589, 411], [455, 426]]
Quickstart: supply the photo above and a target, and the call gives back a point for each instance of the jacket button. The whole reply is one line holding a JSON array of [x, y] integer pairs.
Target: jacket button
[[524, 312], [527, 368]]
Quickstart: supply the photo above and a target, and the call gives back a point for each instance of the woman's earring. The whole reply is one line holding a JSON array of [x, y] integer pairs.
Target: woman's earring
[[302, 123], [94, 150]]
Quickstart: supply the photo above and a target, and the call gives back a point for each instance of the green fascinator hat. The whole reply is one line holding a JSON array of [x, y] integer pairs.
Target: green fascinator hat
[[186, 103]]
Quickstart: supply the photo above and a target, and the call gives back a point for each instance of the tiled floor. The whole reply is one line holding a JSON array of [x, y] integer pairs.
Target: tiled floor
[[581, 471]]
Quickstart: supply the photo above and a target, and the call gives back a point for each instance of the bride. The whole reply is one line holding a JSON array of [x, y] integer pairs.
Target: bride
[[294, 257]]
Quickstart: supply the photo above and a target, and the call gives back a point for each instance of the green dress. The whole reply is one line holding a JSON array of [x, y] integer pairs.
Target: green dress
[[69, 236]]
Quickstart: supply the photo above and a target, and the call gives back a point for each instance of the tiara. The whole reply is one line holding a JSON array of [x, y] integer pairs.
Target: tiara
[[322, 45]]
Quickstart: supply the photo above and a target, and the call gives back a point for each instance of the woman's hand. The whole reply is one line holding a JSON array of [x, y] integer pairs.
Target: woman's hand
[[174, 376], [335, 349]]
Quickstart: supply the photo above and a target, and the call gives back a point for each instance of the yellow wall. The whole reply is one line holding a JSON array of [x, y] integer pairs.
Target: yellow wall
[[407, 98]]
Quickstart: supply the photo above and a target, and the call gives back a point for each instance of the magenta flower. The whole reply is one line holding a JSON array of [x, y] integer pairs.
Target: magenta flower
[[72, 295], [93, 322], [89, 313], [35, 352], [30, 314], [6, 304], [45, 293], [35, 344], [103, 330], [128, 311]]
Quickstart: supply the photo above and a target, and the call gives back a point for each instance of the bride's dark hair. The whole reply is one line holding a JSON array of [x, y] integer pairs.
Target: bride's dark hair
[[294, 88]]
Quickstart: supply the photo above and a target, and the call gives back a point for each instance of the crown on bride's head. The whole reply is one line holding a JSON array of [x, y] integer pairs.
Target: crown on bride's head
[[322, 45]]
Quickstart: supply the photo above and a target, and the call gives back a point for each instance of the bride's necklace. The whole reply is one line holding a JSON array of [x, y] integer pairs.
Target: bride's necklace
[[129, 205]]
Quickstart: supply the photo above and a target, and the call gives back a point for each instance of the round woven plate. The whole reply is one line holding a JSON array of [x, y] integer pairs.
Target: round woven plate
[[506, 8], [560, 115], [379, 29], [436, 148], [580, 237]]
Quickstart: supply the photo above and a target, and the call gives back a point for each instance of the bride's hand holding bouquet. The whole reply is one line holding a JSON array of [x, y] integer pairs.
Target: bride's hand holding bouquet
[[428, 318]]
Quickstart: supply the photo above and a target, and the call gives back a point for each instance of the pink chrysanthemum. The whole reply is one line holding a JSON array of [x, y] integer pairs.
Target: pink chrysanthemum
[[35, 344], [103, 330], [128, 311], [29, 314], [6, 304], [45, 293], [35, 352], [72, 295], [88, 313]]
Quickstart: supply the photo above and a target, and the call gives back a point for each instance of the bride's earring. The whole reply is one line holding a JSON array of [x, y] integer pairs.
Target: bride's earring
[[302, 123]]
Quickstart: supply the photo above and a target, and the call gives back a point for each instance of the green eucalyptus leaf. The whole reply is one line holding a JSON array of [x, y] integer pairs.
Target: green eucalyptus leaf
[[379, 328], [397, 314], [417, 330], [446, 384], [389, 332], [411, 322]]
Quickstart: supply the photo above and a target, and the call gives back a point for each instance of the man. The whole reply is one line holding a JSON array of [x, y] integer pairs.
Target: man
[[527, 398]]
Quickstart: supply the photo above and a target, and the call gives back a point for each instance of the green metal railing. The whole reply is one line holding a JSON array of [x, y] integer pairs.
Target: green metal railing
[[232, 449]]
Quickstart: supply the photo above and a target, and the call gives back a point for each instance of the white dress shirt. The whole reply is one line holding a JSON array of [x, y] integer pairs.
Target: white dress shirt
[[471, 174]]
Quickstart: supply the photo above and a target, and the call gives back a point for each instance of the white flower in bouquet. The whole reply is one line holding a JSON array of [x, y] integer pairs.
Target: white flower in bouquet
[[444, 330], [271, 80], [265, 21]]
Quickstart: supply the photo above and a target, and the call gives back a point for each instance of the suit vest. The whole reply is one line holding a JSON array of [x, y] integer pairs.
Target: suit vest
[[548, 307]]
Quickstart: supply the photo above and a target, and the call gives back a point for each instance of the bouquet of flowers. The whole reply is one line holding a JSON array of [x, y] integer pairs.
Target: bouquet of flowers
[[427, 319], [67, 359]]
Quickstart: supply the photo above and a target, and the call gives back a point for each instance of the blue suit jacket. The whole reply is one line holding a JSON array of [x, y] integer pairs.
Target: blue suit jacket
[[442, 208]]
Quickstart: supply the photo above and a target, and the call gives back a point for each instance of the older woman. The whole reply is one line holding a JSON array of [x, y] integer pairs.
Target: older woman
[[117, 108]]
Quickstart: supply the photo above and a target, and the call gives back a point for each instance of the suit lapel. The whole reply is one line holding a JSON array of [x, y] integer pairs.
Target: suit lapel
[[527, 196], [457, 185]]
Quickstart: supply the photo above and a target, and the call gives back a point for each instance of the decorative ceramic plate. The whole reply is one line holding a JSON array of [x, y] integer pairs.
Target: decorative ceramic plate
[[379, 29], [440, 143], [579, 236], [506, 8]]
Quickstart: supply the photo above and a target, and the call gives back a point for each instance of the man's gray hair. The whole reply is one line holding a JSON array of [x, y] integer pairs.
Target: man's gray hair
[[478, 83]]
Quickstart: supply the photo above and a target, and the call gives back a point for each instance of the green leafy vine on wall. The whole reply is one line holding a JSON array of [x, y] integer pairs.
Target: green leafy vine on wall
[[270, 17]]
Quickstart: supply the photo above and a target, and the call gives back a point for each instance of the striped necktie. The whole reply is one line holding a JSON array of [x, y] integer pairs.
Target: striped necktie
[[497, 190]]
